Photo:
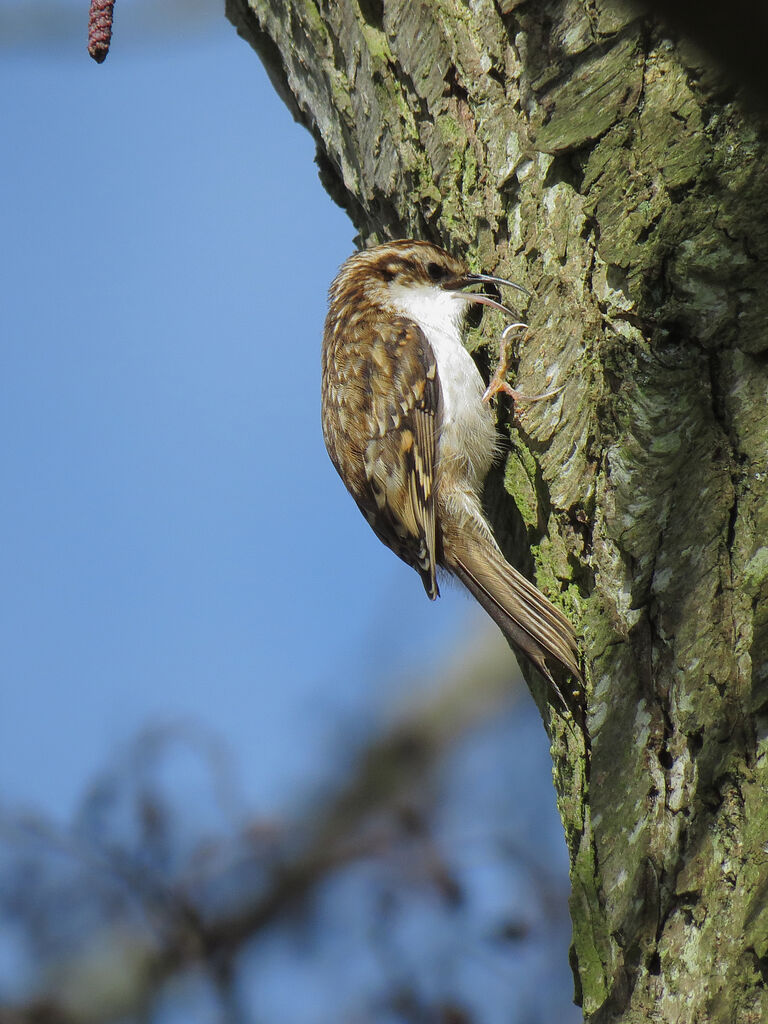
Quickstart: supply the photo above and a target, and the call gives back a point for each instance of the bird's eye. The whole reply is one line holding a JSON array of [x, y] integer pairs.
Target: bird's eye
[[436, 272]]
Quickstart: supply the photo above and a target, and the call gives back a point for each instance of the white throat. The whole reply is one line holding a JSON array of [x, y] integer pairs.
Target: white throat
[[466, 422], [433, 308]]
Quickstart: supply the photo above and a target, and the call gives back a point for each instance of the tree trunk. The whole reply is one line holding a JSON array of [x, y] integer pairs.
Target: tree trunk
[[575, 147]]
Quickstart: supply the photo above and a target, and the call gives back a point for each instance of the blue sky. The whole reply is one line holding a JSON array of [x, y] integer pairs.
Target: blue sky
[[176, 544]]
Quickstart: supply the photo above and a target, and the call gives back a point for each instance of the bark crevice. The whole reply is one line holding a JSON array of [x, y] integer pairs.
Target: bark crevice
[[594, 156]]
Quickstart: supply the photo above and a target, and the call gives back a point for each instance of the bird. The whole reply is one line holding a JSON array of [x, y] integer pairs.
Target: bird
[[408, 426]]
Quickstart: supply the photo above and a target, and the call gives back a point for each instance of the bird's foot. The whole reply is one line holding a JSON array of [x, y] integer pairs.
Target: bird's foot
[[498, 383]]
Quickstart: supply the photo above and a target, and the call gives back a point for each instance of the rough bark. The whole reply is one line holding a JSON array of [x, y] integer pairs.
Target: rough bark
[[575, 146]]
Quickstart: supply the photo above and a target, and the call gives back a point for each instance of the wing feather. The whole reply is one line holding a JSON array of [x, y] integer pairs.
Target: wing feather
[[399, 460]]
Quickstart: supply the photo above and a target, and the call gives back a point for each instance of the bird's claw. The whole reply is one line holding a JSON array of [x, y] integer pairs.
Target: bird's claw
[[497, 383]]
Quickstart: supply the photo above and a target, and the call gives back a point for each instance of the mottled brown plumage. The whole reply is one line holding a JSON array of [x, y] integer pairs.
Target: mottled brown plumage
[[407, 429]]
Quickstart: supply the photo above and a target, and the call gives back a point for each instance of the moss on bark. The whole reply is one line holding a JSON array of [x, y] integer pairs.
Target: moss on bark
[[580, 150]]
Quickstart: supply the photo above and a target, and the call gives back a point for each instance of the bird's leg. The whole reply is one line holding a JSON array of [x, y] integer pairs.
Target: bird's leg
[[498, 383]]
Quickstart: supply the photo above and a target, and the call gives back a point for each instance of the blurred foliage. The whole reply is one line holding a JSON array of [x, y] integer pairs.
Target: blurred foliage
[[429, 885]]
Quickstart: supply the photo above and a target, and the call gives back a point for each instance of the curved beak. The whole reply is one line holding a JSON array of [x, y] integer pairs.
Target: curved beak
[[468, 280]]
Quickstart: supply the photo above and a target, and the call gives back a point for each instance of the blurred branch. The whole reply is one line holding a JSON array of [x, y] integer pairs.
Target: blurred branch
[[267, 872]]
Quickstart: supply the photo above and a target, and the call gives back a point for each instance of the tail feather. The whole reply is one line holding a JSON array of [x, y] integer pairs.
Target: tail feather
[[528, 620]]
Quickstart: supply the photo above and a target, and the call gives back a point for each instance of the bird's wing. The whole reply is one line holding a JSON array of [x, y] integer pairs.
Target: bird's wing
[[399, 456]]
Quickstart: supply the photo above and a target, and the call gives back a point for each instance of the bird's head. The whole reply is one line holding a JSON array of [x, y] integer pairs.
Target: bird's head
[[419, 279]]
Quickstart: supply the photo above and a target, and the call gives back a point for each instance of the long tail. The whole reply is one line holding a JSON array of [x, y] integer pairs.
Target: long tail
[[524, 615]]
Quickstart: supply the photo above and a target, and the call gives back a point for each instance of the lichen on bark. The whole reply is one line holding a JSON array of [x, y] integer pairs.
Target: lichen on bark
[[579, 148]]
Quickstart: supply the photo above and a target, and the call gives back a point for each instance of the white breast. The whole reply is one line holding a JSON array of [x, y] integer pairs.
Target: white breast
[[467, 430]]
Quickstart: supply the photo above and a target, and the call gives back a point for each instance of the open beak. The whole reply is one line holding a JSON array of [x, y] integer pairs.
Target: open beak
[[468, 280]]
